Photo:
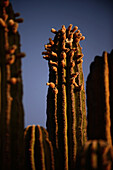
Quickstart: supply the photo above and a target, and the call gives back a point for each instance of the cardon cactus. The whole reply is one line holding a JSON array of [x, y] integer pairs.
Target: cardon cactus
[[38, 149], [100, 98], [66, 110], [96, 155], [11, 108]]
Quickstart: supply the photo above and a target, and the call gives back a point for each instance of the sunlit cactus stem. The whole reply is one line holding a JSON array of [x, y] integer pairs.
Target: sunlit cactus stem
[[66, 110]]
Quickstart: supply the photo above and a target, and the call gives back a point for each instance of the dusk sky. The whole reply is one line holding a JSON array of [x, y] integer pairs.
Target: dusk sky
[[93, 17]]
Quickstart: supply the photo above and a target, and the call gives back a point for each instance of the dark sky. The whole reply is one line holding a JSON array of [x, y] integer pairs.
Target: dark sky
[[93, 17]]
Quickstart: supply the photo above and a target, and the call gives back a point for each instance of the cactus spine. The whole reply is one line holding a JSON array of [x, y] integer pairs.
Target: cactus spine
[[11, 108], [38, 149], [66, 112], [100, 106]]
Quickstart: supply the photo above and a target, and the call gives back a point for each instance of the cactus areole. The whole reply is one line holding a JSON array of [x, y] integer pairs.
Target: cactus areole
[[66, 110]]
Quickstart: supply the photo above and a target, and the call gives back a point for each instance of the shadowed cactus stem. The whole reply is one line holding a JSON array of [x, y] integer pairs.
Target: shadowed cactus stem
[[38, 149], [100, 98], [11, 108], [96, 155]]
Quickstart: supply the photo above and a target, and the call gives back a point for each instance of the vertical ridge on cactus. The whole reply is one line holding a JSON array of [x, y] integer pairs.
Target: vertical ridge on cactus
[[66, 112]]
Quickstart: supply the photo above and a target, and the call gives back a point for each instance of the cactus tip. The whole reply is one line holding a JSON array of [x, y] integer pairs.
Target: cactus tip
[[82, 38], [53, 30]]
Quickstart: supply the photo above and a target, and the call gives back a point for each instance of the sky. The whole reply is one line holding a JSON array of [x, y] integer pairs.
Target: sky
[[93, 17]]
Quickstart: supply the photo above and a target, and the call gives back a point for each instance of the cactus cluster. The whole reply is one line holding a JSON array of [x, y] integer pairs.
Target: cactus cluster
[[63, 145], [11, 107], [66, 112]]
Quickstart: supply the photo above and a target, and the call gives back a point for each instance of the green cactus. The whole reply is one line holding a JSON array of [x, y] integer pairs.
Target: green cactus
[[96, 155], [66, 111], [11, 107], [38, 149], [100, 98]]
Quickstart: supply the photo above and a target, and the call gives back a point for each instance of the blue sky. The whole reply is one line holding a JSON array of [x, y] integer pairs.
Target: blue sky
[[93, 17]]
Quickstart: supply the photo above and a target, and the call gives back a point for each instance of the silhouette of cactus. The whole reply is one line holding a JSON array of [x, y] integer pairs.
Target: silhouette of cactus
[[100, 98], [66, 112], [96, 155], [11, 108]]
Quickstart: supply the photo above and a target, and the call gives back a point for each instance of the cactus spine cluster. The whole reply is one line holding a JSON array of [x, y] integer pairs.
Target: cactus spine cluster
[[100, 109], [11, 108], [66, 112]]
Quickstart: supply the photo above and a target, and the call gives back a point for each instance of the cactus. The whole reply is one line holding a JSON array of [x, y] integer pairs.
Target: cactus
[[38, 149], [100, 98], [60, 146], [66, 112], [96, 155], [11, 107]]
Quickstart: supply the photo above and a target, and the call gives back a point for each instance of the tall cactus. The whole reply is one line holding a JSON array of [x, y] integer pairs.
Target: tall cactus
[[100, 98], [11, 107], [66, 112]]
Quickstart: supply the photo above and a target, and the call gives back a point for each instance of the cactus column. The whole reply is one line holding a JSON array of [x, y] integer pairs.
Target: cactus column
[[11, 108], [100, 98], [38, 149], [66, 112]]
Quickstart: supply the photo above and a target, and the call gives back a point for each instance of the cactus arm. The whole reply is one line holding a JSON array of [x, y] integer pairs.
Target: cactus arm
[[107, 102], [62, 116], [49, 159], [80, 106], [110, 61], [29, 153], [52, 98], [39, 150], [71, 112], [6, 145]]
